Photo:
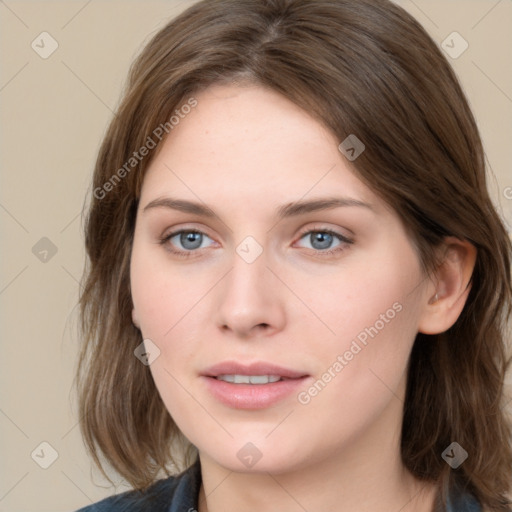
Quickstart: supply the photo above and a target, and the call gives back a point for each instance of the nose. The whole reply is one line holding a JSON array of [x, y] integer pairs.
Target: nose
[[250, 302]]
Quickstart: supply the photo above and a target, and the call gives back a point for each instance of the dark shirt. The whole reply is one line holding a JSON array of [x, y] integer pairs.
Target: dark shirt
[[180, 494]]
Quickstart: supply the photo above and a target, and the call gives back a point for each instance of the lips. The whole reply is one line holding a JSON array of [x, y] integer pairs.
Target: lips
[[254, 386]]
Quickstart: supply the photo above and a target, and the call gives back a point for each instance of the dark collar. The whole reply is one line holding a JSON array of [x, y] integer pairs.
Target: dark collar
[[186, 493]]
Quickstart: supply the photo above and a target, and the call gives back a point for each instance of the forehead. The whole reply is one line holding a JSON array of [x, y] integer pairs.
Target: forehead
[[250, 142]]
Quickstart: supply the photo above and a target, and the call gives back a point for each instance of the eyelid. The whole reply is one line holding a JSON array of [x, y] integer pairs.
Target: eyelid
[[172, 231], [325, 229]]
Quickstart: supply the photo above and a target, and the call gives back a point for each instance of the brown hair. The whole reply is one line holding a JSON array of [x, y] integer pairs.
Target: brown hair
[[361, 67]]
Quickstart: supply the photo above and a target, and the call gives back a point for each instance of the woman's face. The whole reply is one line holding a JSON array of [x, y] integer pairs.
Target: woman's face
[[259, 256]]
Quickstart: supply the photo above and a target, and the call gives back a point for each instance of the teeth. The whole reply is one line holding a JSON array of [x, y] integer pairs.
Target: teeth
[[249, 379]]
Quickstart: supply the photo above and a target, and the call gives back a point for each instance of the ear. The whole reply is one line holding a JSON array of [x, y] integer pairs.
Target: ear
[[449, 288], [135, 320]]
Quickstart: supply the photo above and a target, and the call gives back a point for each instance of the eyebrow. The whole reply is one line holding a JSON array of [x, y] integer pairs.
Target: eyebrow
[[288, 210], [316, 205]]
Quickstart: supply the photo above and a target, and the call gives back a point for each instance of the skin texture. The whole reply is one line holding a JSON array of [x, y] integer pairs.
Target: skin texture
[[244, 152]]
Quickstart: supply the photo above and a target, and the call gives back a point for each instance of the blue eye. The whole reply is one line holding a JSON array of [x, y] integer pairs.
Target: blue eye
[[326, 241], [186, 241]]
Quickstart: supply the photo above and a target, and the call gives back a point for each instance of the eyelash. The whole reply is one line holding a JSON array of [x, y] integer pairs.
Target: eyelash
[[187, 254]]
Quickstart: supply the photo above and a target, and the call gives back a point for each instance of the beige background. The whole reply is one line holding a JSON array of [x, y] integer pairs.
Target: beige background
[[53, 114]]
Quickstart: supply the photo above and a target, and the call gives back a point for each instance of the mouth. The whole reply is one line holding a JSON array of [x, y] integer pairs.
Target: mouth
[[257, 371], [253, 386]]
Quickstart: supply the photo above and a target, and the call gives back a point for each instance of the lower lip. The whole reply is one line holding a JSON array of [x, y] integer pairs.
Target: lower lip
[[253, 396]]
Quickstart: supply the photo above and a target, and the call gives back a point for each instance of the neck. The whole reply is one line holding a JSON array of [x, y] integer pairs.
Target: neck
[[305, 491]]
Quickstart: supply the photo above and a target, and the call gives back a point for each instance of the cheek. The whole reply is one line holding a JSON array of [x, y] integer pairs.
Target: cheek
[[361, 367], [168, 307], [172, 304], [165, 295], [368, 298], [370, 317]]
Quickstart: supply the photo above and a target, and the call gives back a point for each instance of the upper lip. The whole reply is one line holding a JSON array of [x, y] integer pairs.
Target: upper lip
[[258, 368]]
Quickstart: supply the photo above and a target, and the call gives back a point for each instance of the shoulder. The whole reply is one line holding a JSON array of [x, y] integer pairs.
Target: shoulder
[[175, 493], [462, 501]]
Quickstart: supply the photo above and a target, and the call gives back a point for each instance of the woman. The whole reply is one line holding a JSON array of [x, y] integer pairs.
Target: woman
[[298, 287]]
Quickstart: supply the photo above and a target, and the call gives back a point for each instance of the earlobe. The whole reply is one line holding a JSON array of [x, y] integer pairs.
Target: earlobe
[[135, 320], [449, 292]]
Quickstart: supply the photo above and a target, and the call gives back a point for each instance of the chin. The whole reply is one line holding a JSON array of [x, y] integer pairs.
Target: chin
[[260, 457]]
